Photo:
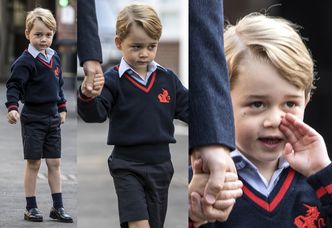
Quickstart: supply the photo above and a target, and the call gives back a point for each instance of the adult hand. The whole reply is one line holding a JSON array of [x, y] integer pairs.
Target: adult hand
[[13, 116], [91, 68], [216, 161], [305, 150]]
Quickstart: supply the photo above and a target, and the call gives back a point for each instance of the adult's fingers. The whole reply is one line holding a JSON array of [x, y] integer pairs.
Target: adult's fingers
[[195, 212]]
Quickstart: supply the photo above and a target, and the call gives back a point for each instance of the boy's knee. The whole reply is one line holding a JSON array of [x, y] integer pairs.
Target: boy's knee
[[53, 164], [33, 164]]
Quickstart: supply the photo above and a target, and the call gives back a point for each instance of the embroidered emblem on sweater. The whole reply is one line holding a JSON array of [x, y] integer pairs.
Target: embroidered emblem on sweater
[[311, 219], [56, 71], [164, 97]]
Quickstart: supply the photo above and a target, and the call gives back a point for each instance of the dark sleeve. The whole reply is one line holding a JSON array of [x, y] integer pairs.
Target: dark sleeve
[[89, 47], [211, 116], [62, 102], [182, 103], [20, 72], [98, 109], [322, 184]]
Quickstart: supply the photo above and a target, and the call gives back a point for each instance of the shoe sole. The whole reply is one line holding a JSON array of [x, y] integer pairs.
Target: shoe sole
[[54, 216], [32, 219]]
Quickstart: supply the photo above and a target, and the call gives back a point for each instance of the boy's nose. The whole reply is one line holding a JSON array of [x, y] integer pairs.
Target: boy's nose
[[273, 118], [143, 54]]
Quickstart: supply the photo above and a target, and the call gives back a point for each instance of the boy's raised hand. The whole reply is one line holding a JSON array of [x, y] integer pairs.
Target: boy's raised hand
[[98, 84], [305, 150], [13, 116]]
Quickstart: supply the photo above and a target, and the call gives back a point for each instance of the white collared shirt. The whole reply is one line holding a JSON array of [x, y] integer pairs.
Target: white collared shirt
[[34, 52], [124, 67], [249, 172]]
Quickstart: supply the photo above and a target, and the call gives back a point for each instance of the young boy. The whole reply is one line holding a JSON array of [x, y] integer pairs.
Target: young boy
[[141, 99], [282, 162], [37, 81]]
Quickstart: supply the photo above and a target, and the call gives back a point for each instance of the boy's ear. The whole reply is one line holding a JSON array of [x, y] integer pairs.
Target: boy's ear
[[26, 34], [118, 42], [308, 97]]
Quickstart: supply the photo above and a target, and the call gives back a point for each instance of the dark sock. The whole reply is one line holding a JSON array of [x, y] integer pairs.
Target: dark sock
[[31, 202], [57, 200]]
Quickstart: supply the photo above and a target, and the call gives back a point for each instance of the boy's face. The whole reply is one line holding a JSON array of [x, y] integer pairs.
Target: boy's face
[[138, 49], [260, 98], [40, 36]]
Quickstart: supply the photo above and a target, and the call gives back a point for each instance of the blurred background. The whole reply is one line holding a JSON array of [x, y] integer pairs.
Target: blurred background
[[12, 44], [316, 21]]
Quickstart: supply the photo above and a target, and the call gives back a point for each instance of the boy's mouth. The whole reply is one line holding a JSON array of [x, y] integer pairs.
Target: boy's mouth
[[271, 141]]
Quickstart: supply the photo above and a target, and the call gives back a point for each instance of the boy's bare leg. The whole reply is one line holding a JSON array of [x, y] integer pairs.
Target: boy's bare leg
[[54, 174], [139, 224], [30, 177]]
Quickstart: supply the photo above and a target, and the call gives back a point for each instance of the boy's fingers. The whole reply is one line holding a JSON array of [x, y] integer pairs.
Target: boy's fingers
[[224, 204], [230, 194], [230, 176], [291, 137], [288, 153]]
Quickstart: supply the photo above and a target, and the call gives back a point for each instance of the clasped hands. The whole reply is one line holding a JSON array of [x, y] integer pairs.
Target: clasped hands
[[93, 82], [214, 186]]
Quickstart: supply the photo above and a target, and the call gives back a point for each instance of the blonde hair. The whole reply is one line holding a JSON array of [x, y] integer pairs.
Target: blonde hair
[[44, 15], [141, 15], [273, 40]]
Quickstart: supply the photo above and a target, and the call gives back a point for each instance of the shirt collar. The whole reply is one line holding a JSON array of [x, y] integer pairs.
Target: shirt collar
[[34, 52], [124, 66], [242, 161]]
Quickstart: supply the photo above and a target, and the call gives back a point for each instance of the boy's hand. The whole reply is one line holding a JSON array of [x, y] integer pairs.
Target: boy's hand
[[63, 117], [98, 84], [305, 150], [13, 116]]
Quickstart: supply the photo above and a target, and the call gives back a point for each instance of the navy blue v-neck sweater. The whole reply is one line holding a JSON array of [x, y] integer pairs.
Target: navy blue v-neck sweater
[[141, 116], [37, 84]]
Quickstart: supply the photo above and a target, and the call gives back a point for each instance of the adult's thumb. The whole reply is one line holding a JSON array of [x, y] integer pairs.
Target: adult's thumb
[[214, 185]]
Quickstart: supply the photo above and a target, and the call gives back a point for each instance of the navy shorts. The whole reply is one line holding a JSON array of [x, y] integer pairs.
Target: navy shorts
[[41, 135], [142, 190]]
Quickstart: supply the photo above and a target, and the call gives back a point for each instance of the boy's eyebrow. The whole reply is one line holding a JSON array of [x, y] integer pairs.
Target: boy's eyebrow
[[138, 43], [288, 96]]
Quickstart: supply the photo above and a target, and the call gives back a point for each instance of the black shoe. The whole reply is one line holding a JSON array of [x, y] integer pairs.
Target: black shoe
[[60, 215], [33, 215]]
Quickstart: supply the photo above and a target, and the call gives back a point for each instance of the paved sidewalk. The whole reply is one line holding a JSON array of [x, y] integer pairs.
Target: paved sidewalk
[[12, 199]]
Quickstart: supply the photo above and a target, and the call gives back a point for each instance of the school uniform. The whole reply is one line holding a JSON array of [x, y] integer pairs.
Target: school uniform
[[141, 127], [288, 200], [36, 80]]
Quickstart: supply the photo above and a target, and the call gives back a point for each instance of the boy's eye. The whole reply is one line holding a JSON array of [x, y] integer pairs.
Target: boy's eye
[[290, 104], [151, 47], [256, 104], [136, 47]]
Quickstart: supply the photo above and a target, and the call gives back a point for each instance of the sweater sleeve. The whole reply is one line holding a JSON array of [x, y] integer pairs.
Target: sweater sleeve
[[321, 182], [62, 102], [89, 46], [20, 72], [211, 115], [182, 101], [96, 110]]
